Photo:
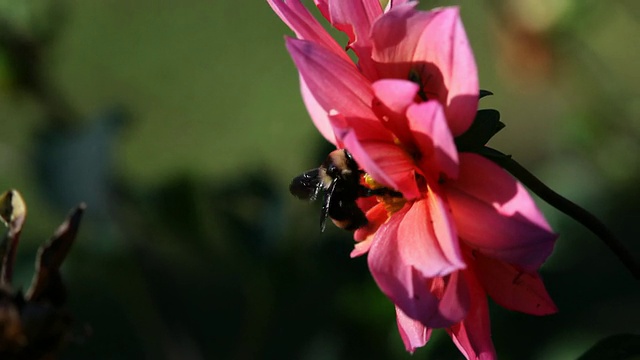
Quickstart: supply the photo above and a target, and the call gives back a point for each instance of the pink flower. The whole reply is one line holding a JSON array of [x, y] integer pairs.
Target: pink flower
[[464, 228]]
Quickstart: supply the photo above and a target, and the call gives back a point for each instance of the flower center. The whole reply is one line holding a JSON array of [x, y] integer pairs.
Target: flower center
[[392, 200], [414, 76], [430, 81]]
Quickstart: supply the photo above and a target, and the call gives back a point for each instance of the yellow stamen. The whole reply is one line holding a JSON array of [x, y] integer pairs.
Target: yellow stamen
[[391, 203]]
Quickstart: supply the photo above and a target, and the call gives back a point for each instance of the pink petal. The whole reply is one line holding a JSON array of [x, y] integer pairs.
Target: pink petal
[[376, 216], [354, 18], [386, 162], [444, 227], [323, 6], [454, 301], [418, 245], [396, 94], [393, 3], [366, 129], [373, 148], [366, 138], [434, 141], [512, 288], [393, 43], [318, 115], [495, 215], [393, 98], [366, 203], [304, 25], [334, 82], [472, 336], [403, 256], [362, 247], [413, 333], [494, 179], [434, 46]]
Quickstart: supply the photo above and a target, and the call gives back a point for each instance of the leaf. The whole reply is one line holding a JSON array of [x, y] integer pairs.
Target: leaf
[[484, 93], [46, 283], [615, 347], [486, 124]]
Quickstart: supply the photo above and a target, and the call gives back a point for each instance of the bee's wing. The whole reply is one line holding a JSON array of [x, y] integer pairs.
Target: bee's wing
[[307, 185], [324, 214]]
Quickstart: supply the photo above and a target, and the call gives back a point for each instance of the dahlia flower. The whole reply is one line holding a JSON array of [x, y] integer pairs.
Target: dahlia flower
[[463, 228]]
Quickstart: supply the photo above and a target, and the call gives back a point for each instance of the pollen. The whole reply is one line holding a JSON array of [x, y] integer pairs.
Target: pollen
[[371, 183], [391, 203]]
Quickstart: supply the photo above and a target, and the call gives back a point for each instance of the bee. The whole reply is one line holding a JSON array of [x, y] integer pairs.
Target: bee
[[338, 180]]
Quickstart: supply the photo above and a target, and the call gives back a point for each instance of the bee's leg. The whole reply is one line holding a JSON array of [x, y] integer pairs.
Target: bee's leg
[[365, 192], [326, 204]]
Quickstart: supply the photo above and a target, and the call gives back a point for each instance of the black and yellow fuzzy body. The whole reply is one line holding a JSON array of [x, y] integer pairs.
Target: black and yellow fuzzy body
[[338, 180]]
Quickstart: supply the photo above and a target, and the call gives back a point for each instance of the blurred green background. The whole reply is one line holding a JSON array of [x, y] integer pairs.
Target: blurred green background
[[180, 124]]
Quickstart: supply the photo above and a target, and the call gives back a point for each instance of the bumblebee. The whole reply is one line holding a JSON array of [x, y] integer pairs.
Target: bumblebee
[[338, 180]]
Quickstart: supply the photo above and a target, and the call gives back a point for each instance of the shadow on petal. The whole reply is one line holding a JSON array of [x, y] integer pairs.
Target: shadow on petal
[[495, 215], [472, 336], [413, 333], [511, 288], [432, 49], [435, 302]]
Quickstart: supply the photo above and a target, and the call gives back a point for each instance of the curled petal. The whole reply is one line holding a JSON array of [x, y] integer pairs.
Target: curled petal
[[393, 97], [323, 6], [373, 148], [512, 288], [361, 247], [376, 216], [432, 47], [396, 94], [444, 227], [454, 301], [420, 248], [386, 162], [495, 215], [438, 153], [354, 18], [304, 25], [413, 333], [358, 135], [472, 336], [334, 82], [403, 257]]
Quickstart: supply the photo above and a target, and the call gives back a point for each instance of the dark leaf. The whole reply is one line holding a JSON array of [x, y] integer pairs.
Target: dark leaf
[[486, 124], [46, 283], [484, 93]]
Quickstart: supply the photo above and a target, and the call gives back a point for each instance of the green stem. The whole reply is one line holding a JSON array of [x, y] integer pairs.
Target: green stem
[[561, 203]]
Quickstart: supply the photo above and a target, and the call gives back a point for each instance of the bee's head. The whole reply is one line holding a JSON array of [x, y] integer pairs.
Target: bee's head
[[339, 164]]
